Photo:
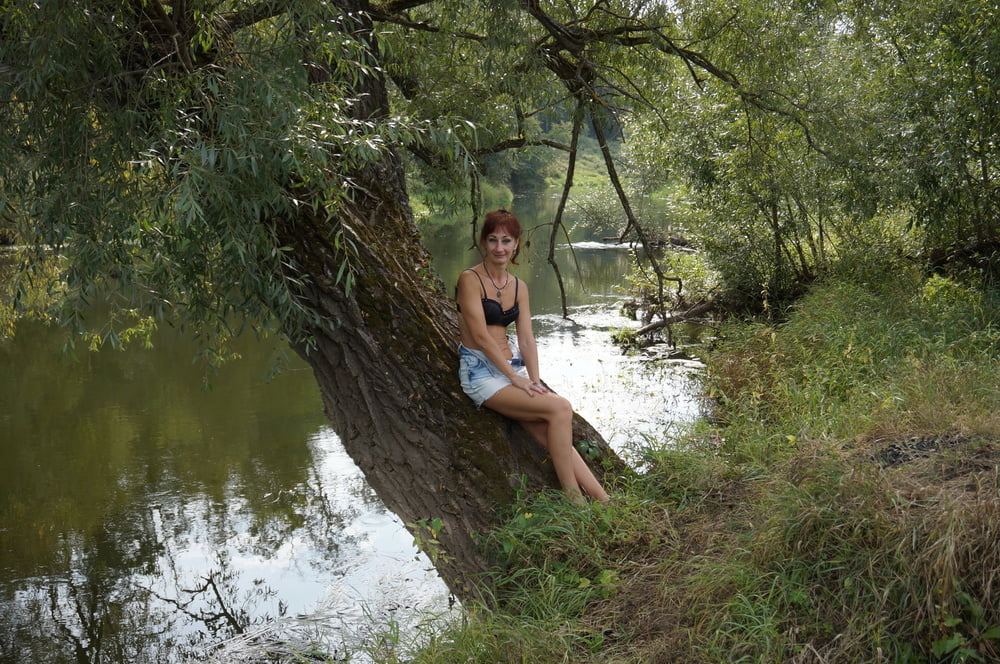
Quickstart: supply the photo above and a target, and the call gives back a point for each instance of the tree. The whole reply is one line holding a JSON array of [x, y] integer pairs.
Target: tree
[[941, 68], [756, 156], [849, 121]]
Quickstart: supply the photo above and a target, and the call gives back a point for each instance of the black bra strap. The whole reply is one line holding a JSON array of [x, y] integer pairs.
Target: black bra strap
[[517, 284], [481, 284]]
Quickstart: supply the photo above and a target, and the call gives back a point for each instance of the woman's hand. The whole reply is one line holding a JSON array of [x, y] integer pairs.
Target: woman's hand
[[529, 386]]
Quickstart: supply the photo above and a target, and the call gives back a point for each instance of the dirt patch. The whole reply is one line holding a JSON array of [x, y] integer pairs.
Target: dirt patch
[[919, 447]]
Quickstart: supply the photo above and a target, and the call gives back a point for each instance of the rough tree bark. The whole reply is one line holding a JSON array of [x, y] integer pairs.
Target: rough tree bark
[[387, 370]]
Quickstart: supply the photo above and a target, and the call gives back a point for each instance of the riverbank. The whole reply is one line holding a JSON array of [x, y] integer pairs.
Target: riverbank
[[842, 507]]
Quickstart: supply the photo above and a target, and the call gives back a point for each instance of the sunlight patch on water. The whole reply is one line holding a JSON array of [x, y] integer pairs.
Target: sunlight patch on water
[[382, 580], [627, 397], [592, 244], [383, 566]]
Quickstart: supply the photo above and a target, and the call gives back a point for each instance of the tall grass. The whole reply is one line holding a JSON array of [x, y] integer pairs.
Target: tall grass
[[904, 354], [870, 418]]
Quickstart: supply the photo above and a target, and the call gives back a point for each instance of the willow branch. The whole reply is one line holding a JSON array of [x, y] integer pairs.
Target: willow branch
[[633, 222], [521, 142], [253, 14], [395, 6]]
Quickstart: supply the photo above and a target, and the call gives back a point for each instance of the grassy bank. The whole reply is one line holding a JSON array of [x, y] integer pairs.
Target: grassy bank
[[843, 507]]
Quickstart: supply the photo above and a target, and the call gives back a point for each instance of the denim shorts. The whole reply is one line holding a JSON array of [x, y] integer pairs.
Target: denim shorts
[[480, 378]]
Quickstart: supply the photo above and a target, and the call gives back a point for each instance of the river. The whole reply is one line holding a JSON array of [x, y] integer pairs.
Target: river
[[149, 512]]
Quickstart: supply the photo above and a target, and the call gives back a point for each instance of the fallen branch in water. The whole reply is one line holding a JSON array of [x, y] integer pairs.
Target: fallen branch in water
[[697, 310]]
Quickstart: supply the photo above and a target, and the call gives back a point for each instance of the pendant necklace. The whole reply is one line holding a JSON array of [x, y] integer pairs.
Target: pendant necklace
[[499, 288]]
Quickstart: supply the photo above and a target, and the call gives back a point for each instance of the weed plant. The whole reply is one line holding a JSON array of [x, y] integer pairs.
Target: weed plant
[[868, 420]]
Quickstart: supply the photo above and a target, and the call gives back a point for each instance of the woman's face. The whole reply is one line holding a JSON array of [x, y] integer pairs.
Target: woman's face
[[499, 246]]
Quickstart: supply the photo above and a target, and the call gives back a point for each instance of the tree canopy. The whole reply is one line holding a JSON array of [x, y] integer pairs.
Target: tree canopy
[[789, 119]]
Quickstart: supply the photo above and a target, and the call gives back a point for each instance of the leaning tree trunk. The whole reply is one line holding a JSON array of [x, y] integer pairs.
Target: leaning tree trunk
[[387, 368], [385, 357]]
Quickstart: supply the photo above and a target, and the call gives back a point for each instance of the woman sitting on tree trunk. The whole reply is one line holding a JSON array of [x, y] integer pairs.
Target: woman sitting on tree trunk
[[503, 375]]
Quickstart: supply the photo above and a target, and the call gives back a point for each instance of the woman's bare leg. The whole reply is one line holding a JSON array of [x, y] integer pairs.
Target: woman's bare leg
[[588, 482], [549, 418], [584, 476]]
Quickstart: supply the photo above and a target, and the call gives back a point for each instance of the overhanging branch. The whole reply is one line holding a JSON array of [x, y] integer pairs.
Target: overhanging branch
[[521, 142]]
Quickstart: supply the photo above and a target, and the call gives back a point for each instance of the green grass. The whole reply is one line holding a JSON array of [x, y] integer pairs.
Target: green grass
[[842, 506], [863, 360]]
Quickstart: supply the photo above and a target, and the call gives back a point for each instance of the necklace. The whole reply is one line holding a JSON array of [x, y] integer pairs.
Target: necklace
[[499, 288]]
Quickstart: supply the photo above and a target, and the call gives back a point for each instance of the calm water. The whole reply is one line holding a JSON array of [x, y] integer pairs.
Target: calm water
[[145, 514]]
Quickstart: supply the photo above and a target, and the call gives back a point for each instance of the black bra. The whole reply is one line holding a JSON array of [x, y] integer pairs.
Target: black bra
[[493, 310]]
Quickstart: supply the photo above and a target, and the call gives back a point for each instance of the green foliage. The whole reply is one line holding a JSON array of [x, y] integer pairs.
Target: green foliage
[[829, 122], [163, 188], [167, 166], [765, 195], [692, 269], [554, 559], [856, 357], [942, 143], [425, 538], [478, 92], [972, 632]]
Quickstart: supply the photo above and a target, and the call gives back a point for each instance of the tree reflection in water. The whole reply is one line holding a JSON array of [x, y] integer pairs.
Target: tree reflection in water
[[144, 518], [122, 597]]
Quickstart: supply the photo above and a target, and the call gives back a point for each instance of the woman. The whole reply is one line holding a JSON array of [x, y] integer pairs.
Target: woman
[[503, 376]]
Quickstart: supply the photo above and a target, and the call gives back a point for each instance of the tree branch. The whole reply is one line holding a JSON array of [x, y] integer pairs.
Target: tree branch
[[695, 311], [253, 14], [521, 142], [423, 26], [396, 6], [623, 199], [578, 117], [572, 40]]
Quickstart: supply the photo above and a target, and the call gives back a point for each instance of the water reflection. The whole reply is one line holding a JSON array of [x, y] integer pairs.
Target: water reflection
[[145, 516]]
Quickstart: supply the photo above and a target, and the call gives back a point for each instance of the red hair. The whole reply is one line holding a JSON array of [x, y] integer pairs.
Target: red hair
[[501, 220]]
